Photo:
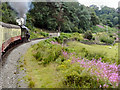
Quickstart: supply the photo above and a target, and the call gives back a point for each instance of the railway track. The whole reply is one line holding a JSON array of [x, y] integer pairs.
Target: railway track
[[10, 72], [13, 46]]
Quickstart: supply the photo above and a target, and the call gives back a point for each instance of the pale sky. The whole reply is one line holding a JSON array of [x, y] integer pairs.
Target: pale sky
[[109, 3]]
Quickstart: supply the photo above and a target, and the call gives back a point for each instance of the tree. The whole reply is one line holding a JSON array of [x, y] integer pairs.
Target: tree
[[88, 35], [8, 15], [115, 20], [109, 23], [105, 14], [94, 19], [118, 11]]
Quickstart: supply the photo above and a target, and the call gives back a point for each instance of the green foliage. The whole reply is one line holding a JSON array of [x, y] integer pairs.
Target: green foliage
[[90, 55], [37, 33], [93, 51], [107, 15], [61, 38], [94, 19], [111, 35], [106, 39], [8, 15], [31, 84], [46, 52], [96, 29], [109, 23], [55, 16], [88, 35], [77, 36], [76, 76], [65, 17], [44, 34], [68, 36], [72, 75]]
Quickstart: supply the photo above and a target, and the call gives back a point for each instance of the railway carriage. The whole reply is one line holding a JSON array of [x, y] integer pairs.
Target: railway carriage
[[10, 33]]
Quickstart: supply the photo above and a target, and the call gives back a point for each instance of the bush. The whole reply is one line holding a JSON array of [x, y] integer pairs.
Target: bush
[[77, 36], [93, 38], [31, 84], [81, 81], [47, 52], [76, 76], [44, 34], [88, 35], [114, 38], [111, 35], [96, 29], [106, 39]]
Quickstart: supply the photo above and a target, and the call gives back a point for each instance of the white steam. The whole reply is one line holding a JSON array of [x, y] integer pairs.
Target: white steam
[[119, 4], [21, 8]]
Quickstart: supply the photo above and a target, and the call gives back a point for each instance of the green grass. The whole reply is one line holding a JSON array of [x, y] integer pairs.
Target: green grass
[[96, 29], [34, 35], [46, 66], [37, 33], [40, 76], [109, 55]]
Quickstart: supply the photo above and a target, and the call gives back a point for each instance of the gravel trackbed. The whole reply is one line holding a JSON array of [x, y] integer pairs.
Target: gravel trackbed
[[9, 75]]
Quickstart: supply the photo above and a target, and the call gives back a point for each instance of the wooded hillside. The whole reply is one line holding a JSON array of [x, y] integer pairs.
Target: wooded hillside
[[65, 17]]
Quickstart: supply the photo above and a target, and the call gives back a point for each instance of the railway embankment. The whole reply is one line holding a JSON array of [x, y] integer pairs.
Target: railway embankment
[[10, 73], [54, 64]]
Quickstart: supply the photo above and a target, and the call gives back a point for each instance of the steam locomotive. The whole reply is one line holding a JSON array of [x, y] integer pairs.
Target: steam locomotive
[[10, 34]]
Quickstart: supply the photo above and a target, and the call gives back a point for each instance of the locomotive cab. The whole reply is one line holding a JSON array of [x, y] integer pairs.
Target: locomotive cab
[[25, 35]]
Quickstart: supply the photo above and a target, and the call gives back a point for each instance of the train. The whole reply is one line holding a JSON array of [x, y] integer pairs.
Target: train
[[10, 34]]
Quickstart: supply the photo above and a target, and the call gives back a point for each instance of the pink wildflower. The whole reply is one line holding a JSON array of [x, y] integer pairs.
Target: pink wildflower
[[52, 42], [100, 26]]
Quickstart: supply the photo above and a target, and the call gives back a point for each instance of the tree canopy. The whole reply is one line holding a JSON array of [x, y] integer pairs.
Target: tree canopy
[[64, 16]]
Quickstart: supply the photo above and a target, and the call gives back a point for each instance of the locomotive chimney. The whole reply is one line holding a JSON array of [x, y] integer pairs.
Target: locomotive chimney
[[20, 21]]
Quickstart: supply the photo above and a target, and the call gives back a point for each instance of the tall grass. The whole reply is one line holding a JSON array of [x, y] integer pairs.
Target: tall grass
[[73, 65]]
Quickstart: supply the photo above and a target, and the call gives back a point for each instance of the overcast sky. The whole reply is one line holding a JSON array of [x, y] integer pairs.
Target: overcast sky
[[110, 3]]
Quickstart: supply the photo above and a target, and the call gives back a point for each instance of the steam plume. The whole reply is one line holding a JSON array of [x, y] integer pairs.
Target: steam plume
[[21, 8]]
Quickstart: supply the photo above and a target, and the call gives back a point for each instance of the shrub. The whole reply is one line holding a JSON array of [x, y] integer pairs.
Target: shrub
[[106, 39], [93, 38], [114, 38], [88, 35], [96, 29], [31, 84], [81, 81], [47, 52], [111, 35], [77, 36], [76, 76], [44, 34]]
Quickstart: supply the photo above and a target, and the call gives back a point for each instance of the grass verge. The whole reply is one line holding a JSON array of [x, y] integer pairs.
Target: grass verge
[[40, 76]]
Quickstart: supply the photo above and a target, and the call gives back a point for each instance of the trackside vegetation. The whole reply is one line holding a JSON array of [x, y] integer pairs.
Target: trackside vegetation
[[55, 63], [38, 33], [85, 55]]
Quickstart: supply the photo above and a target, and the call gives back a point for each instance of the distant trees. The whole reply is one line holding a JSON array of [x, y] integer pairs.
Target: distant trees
[[118, 11], [94, 19], [64, 16], [107, 15], [8, 15]]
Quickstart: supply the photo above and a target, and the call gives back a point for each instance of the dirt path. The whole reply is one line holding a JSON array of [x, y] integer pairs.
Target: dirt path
[[9, 72]]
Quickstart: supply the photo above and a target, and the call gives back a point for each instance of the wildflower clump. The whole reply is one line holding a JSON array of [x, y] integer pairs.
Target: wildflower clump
[[104, 74]]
